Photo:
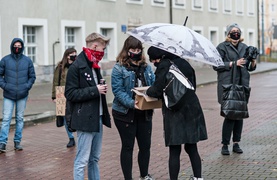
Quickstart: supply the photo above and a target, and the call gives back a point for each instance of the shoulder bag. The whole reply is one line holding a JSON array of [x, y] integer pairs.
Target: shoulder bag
[[235, 99], [59, 119]]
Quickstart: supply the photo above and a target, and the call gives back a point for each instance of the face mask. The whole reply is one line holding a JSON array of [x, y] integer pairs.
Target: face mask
[[235, 35], [72, 58], [97, 54], [135, 57], [17, 50]]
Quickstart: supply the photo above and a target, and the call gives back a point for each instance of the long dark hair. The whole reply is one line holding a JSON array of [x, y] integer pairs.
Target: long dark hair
[[130, 43], [64, 60]]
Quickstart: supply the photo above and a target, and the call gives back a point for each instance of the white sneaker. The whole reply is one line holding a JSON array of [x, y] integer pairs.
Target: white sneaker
[[148, 177]]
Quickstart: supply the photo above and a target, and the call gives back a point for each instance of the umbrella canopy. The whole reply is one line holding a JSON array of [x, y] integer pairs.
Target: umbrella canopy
[[178, 40]]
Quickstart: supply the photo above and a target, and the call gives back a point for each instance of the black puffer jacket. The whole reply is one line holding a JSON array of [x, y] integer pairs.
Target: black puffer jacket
[[186, 125], [224, 74], [82, 92]]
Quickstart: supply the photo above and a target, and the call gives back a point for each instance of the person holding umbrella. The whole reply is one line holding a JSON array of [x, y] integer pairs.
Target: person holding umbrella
[[131, 70], [232, 50], [185, 125]]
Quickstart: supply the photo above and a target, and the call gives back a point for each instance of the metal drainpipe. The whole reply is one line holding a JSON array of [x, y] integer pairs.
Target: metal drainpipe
[[170, 11], [53, 46]]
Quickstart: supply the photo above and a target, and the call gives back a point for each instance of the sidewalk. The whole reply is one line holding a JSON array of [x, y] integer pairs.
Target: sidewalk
[[45, 155], [40, 107]]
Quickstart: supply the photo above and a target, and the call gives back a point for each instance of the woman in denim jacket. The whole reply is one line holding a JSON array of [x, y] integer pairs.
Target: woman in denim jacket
[[131, 70]]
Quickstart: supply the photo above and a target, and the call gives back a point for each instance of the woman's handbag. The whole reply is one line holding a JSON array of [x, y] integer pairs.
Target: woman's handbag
[[176, 87], [235, 99], [59, 121]]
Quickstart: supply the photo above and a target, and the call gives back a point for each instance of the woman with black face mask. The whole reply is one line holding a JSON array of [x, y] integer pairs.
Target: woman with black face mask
[[131, 70], [232, 51], [59, 79]]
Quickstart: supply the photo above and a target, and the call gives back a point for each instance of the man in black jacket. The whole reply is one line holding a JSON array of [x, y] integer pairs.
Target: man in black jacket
[[89, 108]]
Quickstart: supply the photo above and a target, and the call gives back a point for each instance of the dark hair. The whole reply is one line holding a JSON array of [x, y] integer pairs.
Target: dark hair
[[130, 43], [64, 60]]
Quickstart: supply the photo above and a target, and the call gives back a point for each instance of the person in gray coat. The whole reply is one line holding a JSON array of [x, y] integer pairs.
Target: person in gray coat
[[183, 126], [232, 51]]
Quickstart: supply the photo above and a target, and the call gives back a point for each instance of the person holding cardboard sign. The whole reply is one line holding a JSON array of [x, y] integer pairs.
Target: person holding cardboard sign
[[130, 71], [59, 80]]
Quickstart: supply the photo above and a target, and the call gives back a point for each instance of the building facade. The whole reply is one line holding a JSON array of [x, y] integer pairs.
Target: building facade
[[49, 27]]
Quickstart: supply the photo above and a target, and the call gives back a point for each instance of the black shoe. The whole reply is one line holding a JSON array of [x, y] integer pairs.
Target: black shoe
[[71, 143], [237, 149], [2, 148], [224, 150], [17, 146]]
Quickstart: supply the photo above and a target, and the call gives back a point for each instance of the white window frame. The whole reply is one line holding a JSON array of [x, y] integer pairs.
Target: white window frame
[[74, 35], [181, 6], [160, 3], [42, 37], [112, 49], [210, 6], [134, 1], [80, 34], [198, 28], [250, 8], [30, 44], [215, 29], [225, 6], [194, 7], [254, 40], [239, 6]]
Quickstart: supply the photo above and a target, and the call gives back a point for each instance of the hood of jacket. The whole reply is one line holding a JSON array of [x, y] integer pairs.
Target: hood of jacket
[[14, 41]]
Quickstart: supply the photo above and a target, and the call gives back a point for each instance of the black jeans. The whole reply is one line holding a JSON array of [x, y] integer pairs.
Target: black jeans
[[230, 126], [141, 130]]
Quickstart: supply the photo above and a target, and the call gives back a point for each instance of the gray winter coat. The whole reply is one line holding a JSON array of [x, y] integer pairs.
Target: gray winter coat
[[224, 74]]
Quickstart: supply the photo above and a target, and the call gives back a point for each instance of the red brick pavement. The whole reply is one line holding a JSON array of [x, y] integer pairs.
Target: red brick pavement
[[45, 155]]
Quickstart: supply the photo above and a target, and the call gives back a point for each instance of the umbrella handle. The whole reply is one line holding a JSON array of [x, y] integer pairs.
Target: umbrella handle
[[186, 21]]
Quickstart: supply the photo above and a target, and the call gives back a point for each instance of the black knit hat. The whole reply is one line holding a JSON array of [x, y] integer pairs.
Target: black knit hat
[[156, 53]]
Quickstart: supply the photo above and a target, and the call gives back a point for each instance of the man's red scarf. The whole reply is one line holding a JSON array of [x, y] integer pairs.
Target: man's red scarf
[[93, 56]]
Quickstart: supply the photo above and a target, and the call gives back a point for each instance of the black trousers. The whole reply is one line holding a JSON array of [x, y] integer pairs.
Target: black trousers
[[140, 130], [231, 126]]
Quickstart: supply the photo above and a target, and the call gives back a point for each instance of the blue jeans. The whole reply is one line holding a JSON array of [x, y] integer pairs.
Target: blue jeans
[[69, 134], [88, 153], [8, 106]]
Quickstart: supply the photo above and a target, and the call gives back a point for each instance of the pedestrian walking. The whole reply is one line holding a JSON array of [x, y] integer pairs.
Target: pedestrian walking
[[232, 51], [17, 76], [59, 79], [130, 71], [182, 126], [89, 108]]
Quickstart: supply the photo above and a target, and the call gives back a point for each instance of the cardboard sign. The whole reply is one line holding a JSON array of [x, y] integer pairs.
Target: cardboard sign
[[60, 101], [145, 102]]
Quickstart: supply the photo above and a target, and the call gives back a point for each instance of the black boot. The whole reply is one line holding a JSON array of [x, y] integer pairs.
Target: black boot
[[224, 150], [2, 148], [71, 143], [237, 149], [17, 146]]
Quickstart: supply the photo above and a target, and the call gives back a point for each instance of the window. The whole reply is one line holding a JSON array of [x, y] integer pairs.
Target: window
[[227, 6], [179, 3], [213, 35], [105, 33], [29, 38], [250, 7], [197, 4], [158, 3], [239, 7], [213, 5], [135, 1], [70, 37], [34, 32], [272, 7]]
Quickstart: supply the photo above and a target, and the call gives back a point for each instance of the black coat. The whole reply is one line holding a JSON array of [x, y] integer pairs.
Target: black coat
[[186, 125], [224, 74], [82, 92]]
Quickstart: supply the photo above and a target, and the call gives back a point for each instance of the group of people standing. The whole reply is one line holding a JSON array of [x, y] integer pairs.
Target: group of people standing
[[81, 76]]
